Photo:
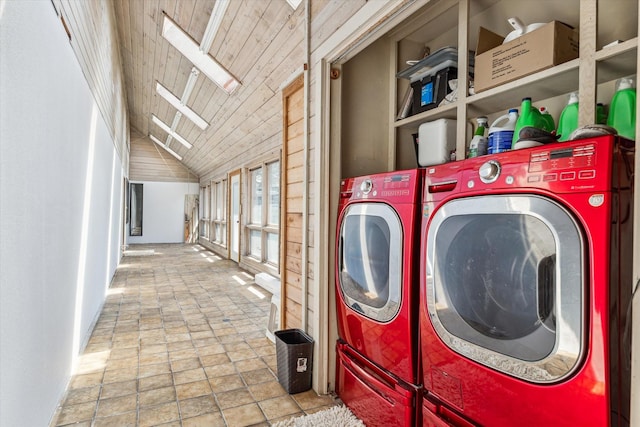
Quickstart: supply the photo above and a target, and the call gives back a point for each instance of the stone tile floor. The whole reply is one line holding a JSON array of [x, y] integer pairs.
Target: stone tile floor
[[181, 341]]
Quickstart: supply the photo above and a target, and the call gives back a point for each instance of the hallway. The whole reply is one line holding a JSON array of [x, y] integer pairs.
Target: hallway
[[181, 342]]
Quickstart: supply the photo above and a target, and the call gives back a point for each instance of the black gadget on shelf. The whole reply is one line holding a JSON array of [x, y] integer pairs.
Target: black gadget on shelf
[[429, 91]]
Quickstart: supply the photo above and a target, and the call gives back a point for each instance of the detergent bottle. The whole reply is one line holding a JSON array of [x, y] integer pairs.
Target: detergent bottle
[[548, 118], [479, 142], [601, 115], [529, 116], [622, 111], [501, 132], [568, 121]]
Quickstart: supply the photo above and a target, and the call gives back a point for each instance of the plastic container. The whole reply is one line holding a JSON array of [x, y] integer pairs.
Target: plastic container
[[294, 356], [548, 118], [479, 143], [622, 111], [529, 116], [568, 121], [501, 132], [436, 141], [520, 29], [601, 115]]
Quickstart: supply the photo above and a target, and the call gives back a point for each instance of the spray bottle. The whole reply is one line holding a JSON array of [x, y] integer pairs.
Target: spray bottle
[[479, 142]]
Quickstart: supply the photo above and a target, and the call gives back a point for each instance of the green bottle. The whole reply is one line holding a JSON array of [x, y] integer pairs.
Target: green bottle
[[568, 121], [550, 124], [529, 116], [601, 115], [622, 111]]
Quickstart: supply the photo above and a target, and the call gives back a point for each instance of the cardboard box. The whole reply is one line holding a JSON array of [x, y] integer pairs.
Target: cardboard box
[[545, 47]]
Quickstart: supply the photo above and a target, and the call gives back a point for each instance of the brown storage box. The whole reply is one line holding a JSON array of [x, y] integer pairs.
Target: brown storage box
[[545, 47]]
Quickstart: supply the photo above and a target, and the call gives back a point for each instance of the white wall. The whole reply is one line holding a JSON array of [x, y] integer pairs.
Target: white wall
[[60, 211], [163, 211]]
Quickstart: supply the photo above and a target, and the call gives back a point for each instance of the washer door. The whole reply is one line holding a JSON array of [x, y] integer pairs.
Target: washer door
[[370, 256], [505, 284]]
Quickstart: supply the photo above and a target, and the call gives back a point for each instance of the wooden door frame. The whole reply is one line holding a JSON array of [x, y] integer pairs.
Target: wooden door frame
[[294, 86]]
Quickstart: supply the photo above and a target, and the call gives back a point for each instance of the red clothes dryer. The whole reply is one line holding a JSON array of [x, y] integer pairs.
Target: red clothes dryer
[[377, 293], [525, 309]]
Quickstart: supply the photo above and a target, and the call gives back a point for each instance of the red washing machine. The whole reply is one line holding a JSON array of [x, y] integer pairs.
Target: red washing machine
[[377, 295], [525, 309]]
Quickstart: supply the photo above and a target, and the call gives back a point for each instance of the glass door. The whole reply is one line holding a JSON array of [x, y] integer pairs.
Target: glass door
[[506, 286], [234, 226], [370, 249]]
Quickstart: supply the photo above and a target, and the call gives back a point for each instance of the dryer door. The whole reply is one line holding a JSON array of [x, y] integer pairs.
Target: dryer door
[[505, 284], [370, 260]]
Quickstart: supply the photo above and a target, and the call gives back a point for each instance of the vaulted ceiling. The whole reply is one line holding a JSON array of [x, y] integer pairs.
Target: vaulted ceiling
[[260, 42]]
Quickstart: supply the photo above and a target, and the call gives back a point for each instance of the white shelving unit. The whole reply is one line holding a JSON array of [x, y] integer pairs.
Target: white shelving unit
[[442, 23]]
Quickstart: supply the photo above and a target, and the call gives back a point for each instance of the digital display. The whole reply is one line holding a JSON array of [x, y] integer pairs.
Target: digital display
[[426, 97], [558, 154]]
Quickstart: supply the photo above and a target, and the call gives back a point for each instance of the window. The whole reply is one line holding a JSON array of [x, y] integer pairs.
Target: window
[[202, 213], [219, 212], [206, 211], [212, 197], [135, 202], [264, 213]]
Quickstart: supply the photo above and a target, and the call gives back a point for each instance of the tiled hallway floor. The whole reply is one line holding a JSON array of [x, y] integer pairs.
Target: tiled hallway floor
[[181, 342]]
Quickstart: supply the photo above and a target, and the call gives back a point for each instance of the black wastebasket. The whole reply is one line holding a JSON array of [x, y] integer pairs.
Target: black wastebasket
[[294, 353]]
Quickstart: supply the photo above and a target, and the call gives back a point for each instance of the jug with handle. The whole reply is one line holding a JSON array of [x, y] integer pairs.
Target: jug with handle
[[501, 132], [530, 116], [622, 111]]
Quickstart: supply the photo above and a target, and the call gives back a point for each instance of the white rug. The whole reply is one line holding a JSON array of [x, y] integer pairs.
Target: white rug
[[332, 417]]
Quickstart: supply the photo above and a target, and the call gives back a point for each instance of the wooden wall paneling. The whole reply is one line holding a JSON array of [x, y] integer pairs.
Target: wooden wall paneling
[[199, 19], [328, 18], [249, 92], [292, 312], [123, 27], [294, 295], [94, 40], [293, 206], [184, 13], [587, 72], [229, 18], [261, 42], [151, 163], [85, 49], [236, 126], [150, 46], [136, 15], [295, 174], [258, 38], [239, 32]]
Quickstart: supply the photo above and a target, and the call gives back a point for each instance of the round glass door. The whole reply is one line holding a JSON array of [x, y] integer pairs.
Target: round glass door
[[370, 251], [505, 284]]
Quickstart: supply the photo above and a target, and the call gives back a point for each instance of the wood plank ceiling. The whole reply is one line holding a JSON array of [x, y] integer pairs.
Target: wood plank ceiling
[[261, 42]]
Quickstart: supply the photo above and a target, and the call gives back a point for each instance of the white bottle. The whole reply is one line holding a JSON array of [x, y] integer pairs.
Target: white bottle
[[479, 142], [501, 132]]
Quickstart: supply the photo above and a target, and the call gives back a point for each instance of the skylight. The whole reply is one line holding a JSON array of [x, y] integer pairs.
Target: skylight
[[202, 60], [219, 9], [177, 103], [169, 150], [168, 130], [294, 3]]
